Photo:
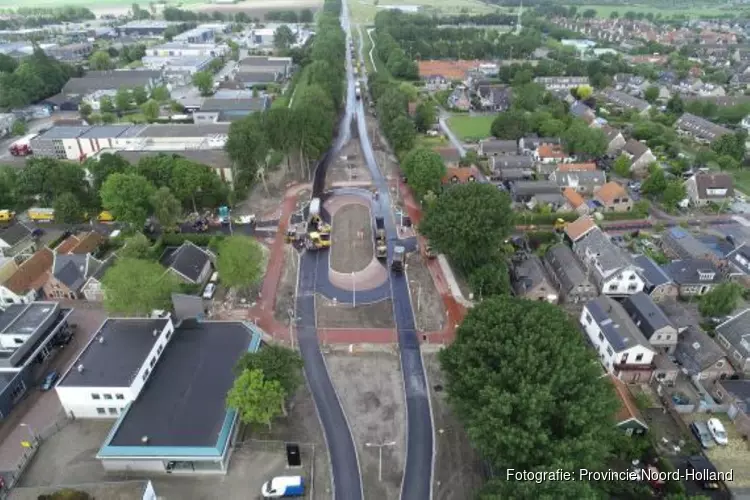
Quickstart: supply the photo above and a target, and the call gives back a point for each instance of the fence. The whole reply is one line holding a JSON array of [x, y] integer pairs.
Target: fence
[[12, 477]]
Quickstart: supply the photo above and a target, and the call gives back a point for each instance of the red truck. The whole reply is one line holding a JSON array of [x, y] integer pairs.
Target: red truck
[[22, 147]]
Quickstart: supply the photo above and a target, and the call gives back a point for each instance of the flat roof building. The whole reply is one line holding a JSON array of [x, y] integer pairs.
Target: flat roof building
[[178, 421]]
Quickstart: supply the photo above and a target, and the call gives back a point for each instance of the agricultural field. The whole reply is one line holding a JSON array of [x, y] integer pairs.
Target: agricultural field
[[697, 11], [363, 11], [471, 127]]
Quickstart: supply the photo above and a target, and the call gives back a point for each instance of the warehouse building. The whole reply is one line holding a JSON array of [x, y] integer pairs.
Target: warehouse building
[[165, 386], [146, 28]]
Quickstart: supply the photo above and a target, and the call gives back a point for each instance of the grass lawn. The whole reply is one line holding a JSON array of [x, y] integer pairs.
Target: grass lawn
[[424, 141], [742, 180], [696, 11], [363, 11], [471, 127]]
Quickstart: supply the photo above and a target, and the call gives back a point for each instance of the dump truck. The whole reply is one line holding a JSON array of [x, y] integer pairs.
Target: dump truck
[[397, 262], [381, 247], [22, 147], [42, 214], [357, 90], [316, 241]]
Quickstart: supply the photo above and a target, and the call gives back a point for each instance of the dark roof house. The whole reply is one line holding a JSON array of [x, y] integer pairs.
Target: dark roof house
[[189, 261]]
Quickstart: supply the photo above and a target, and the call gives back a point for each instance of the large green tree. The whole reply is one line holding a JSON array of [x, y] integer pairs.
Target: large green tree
[[283, 37], [528, 389], [105, 165], [584, 141], [490, 279], [127, 196], [240, 261], [257, 400], [167, 208], [425, 116], [204, 80], [467, 222], [720, 301], [424, 170], [100, 61], [68, 209], [511, 125], [137, 287], [277, 363], [731, 145], [499, 489]]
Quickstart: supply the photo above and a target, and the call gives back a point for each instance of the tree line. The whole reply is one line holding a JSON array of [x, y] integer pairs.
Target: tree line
[[160, 185], [290, 16], [301, 132], [287, 16], [36, 17], [34, 78], [422, 37]]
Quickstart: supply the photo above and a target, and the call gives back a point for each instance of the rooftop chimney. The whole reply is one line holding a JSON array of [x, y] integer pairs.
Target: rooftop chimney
[[144, 440], [156, 332], [101, 339], [79, 368]]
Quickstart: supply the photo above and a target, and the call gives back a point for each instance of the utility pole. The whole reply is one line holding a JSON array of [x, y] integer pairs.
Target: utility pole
[[380, 446], [354, 291]]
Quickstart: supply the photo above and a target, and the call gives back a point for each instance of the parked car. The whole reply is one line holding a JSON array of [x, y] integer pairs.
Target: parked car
[[208, 292], [49, 380], [702, 434], [716, 428], [214, 277], [284, 486], [708, 472]]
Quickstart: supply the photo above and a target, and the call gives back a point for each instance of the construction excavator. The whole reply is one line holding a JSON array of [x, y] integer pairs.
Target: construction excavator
[[315, 233]]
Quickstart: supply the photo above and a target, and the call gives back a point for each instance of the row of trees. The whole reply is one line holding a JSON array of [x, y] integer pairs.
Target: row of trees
[[190, 16], [392, 104], [290, 16], [32, 79], [303, 131], [35, 17]]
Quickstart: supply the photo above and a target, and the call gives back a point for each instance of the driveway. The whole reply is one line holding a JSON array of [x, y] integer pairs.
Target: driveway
[[40, 410]]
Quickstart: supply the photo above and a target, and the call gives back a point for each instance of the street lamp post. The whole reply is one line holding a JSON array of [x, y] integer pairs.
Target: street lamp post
[[354, 291], [31, 432], [292, 324], [419, 294], [380, 446]]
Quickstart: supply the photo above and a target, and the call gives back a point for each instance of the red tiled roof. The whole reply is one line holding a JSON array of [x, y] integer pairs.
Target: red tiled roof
[[608, 192], [579, 227], [628, 409], [452, 70], [577, 167], [572, 196], [32, 274], [550, 151], [458, 174]]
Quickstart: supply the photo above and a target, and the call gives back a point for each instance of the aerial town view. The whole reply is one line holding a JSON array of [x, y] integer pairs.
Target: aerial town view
[[349, 250]]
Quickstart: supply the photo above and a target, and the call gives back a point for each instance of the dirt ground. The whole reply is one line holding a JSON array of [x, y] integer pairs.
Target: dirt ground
[[425, 299], [265, 203], [287, 285], [386, 160], [370, 388], [348, 166], [376, 315], [352, 246], [302, 426], [458, 469]]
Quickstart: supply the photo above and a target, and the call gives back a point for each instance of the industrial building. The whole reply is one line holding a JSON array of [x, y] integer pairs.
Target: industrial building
[[228, 110], [184, 49], [78, 143], [202, 33], [26, 334], [165, 384], [186, 65], [146, 28]]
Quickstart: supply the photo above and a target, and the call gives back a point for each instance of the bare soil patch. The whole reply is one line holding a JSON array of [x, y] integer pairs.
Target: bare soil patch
[[370, 388], [258, 8], [287, 285], [387, 161], [301, 425], [458, 468], [351, 240], [263, 200], [376, 315], [425, 299], [348, 166]]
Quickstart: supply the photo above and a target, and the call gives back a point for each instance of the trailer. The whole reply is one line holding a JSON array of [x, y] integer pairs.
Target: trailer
[[381, 247], [41, 214], [399, 256]]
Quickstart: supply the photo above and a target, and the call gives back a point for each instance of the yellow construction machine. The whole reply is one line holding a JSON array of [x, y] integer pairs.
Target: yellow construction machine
[[316, 241], [560, 225]]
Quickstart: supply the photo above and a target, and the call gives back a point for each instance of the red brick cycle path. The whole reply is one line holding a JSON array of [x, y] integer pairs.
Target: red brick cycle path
[[262, 313]]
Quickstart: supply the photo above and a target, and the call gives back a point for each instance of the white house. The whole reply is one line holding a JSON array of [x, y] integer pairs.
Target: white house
[[611, 268], [113, 368], [621, 347]]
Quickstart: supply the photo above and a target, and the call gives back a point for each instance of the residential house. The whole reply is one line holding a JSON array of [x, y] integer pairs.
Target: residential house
[[72, 266], [93, 289], [531, 143], [450, 155], [701, 356], [693, 277], [436, 83], [579, 228], [625, 102], [705, 188], [550, 153], [679, 243], [640, 157], [611, 268], [651, 320], [190, 263], [495, 97], [575, 201], [628, 417], [111, 80], [460, 99], [657, 283], [459, 175], [615, 139], [736, 394], [613, 198], [17, 240], [524, 191], [699, 128], [530, 281], [568, 276], [250, 79], [8, 266], [499, 165], [622, 349], [23, 286], [739, 264], [498, 147], [561, 82], [581, 180], [585, 113], [734, 336]]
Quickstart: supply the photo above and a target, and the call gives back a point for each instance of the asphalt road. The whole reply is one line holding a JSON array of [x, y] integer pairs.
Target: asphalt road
[[417, 479]]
